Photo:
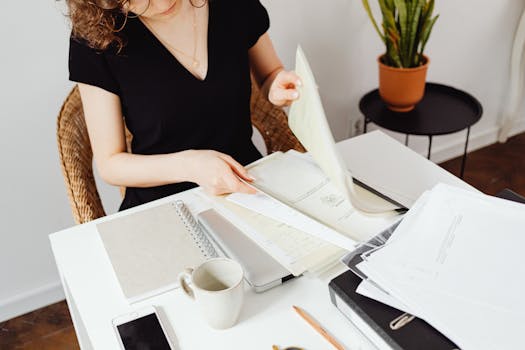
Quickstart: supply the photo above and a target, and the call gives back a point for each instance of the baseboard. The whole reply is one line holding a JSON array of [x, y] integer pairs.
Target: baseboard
[[30, 301], [477, 140]]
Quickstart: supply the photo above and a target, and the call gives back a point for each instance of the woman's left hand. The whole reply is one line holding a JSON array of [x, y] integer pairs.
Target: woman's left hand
[[284, 88]]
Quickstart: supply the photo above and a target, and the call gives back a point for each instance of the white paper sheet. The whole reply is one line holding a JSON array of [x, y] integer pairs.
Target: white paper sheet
[[370, 290], [297, 181], [308, 122], [272, 208]]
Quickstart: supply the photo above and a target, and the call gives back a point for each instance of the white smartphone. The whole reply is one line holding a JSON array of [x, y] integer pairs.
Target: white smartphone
[[142, 330]]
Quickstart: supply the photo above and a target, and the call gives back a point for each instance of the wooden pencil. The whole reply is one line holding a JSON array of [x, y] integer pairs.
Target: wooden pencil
[[318, 328]]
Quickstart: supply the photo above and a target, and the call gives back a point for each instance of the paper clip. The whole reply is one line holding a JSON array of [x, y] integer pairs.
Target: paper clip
[[400, 321]]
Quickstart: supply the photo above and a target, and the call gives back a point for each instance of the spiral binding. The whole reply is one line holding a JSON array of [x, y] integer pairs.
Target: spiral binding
[[193, 227]]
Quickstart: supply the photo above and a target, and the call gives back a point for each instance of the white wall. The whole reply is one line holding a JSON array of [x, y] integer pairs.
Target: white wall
[[33, 201], [470, 49]]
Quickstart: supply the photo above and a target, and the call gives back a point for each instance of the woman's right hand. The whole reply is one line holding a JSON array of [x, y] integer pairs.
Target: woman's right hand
[[217, 173]]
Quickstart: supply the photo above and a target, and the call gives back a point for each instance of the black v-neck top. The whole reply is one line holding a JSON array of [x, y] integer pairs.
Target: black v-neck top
[[168, 109]]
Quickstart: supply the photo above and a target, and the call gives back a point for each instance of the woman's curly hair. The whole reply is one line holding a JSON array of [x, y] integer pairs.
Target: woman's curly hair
[[98, 22]]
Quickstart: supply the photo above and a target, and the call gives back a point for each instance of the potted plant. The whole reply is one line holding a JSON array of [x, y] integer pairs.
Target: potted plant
[[405, 31]]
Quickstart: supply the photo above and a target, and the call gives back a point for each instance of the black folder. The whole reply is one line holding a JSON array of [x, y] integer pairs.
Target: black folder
[[373, 319]]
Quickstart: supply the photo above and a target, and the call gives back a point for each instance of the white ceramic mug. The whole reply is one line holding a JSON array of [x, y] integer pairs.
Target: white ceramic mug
[[217, 287]]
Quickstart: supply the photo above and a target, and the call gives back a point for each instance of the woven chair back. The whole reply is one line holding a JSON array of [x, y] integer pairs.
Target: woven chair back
[[272, 123], [76, 160]]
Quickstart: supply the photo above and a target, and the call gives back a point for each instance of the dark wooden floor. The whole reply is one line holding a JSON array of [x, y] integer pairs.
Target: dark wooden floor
[[49, 328], [490, 169], [493, 168]]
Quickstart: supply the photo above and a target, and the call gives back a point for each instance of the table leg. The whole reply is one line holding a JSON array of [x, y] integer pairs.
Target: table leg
[[464, 161], [406, 140], [365, 122], [429, 146], [78, 323]]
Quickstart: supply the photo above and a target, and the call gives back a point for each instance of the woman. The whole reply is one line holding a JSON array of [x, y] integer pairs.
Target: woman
[[176, 73]]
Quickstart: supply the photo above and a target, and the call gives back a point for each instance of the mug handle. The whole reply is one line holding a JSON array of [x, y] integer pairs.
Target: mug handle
[[184, 277]]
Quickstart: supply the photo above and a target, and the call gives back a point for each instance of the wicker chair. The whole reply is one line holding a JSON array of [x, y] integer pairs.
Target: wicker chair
[[76, 157]]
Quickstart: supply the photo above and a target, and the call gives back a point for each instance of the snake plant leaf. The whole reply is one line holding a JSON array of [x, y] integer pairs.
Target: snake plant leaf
[[430, 8], [388, 15], [390, 5], [427, 12], [412, 45], [403, 18], [393, 53], [408, 34], [425, 35], [371, 16]]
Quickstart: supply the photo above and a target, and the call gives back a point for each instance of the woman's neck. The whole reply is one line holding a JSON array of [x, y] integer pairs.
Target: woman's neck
[[182, 10]]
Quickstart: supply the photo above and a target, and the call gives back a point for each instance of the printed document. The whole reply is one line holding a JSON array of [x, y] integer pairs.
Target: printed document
[[297, 181]]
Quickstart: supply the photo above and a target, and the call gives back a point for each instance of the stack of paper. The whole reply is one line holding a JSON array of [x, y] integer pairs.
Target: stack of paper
[[456, 261]]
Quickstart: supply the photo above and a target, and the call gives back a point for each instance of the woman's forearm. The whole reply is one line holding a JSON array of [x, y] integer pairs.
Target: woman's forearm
[[217, 173], [135, 170]]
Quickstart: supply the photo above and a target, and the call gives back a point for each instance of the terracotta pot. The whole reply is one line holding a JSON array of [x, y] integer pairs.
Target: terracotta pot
[[402, 88]]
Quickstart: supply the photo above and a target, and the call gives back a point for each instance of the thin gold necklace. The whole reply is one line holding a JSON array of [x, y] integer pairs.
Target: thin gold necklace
[[195, 62]]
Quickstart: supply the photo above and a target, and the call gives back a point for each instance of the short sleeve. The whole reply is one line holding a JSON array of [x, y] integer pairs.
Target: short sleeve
[[89, 66], [257, 21]]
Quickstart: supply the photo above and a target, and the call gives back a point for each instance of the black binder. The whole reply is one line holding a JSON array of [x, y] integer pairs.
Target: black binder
[[373, 319]]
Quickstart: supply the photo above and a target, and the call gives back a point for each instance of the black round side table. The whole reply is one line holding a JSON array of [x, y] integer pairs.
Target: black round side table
[[443, 110]]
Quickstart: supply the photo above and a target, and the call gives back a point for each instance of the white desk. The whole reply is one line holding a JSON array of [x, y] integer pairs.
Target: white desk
[[95, 298]]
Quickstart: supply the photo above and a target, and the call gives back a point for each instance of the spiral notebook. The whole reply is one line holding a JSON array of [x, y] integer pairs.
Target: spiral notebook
[[149, 249]]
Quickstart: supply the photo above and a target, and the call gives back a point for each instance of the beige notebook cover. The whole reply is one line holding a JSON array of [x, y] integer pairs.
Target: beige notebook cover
[[148, 249]]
